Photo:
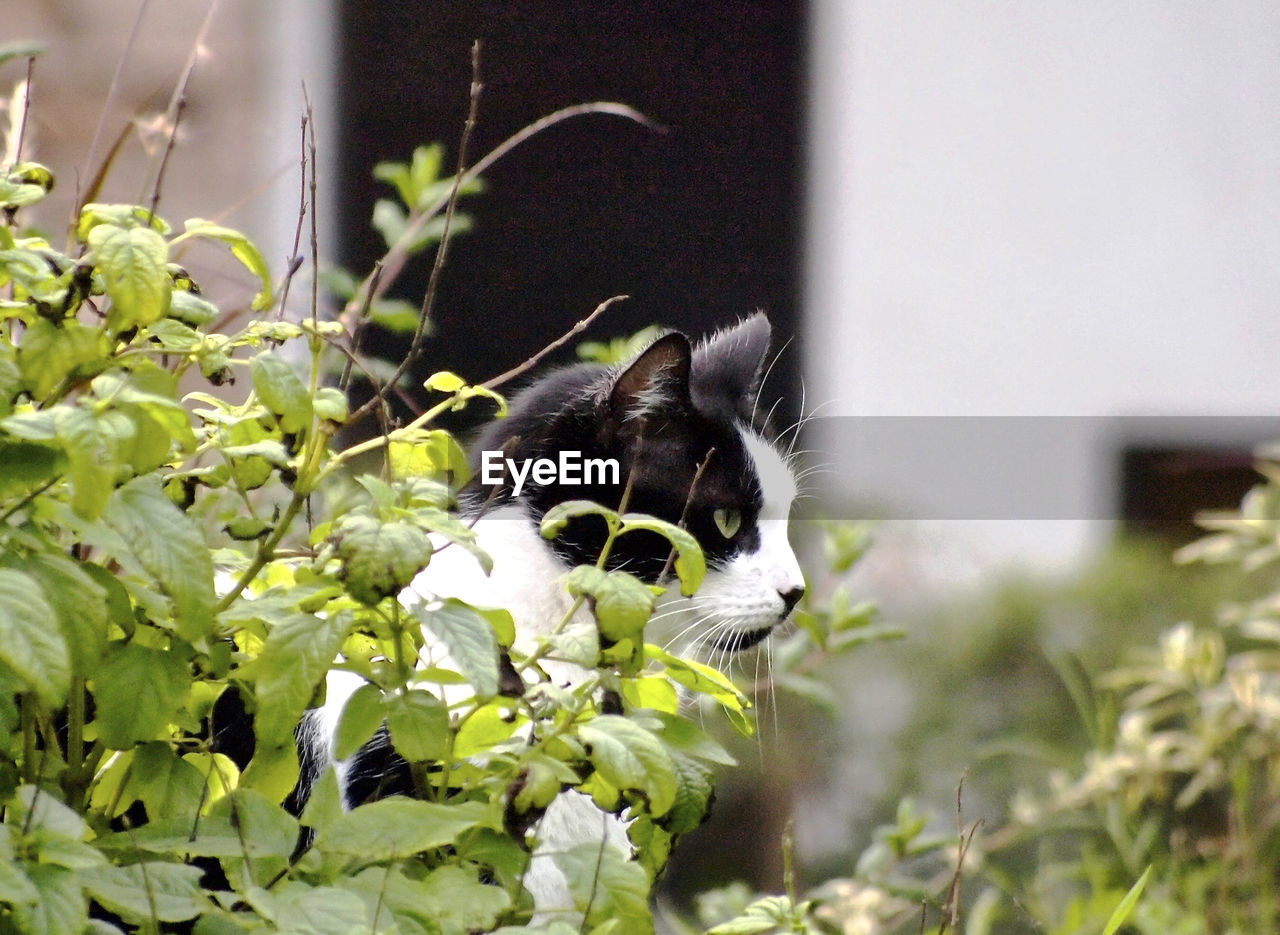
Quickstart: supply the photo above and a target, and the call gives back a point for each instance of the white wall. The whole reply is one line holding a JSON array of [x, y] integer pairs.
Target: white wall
[[1042, 208]]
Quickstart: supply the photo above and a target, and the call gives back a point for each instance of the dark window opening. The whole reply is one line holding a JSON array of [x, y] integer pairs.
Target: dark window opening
[[1164, 488]]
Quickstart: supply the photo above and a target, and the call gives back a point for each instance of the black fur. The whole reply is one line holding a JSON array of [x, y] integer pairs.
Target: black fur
[[659, 416]]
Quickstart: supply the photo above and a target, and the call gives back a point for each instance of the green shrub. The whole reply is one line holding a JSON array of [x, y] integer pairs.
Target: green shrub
[[176, 522]]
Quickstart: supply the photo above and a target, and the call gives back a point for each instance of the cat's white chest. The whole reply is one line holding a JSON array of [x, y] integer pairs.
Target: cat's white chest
[[527, 578]]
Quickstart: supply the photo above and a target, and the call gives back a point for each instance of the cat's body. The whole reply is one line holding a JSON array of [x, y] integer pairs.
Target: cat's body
[[659, 417]]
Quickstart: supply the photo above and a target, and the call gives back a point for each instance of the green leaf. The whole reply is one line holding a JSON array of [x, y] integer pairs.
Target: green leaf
[[134, 263], [379, 559], [471, 641], [242, 249], [78, 601], [10, 378], [630, 757], [772, 913], [170, 548], [15, 885], [281, 391], [1126, 905], [443, 381], [361, 717], [485, 728], [61, 909], [419, 725], [690, 565], [555, 519], [399, 827], [813, 690], [319, 910], [331, 404], [137, 691], [36, 809], [93, 443], [694, 790], [174, 335], [54, 848], [458, 902], [20, 48], [26, 465], [433, 453], [191, 309], [700, 678], [154, 392], [117, 215], [297, 655], [15, 194], [621, 602], [50, 354], [324, 803], [151, 889], [31, 646], [682, 736], [606, 886], [273, 771], [167, 785], [243, 824]]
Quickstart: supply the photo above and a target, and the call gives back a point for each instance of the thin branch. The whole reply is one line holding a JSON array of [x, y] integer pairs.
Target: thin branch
[[951, 917], [99, 178], [315, 229], [442, 251], [357, 330], [113, 91], [554, 345], [26, 110], [395, 258], [295, 258], [684, 514], [178, 104]]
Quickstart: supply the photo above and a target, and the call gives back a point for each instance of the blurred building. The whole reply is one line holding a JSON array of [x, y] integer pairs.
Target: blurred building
[[1063, 212], [103, 88]]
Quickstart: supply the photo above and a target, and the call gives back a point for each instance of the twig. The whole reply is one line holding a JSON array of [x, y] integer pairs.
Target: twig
[[684, 513], [442, 251], [26, 110], [554, 345], [310, 130], [951, 919], [357, 330], [295, 260], [178, 104], [395, 258], [113, 91]]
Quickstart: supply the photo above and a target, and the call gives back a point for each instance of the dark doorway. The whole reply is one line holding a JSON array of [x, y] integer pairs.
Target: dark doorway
[[699, 224]]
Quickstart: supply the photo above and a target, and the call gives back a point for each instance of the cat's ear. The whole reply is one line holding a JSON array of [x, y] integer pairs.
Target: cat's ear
[[657, 381], [726, 368]]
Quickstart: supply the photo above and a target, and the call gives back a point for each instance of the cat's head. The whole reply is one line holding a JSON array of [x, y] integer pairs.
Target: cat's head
[[676, 412]]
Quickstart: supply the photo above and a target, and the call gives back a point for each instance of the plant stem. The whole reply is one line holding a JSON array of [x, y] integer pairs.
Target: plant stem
[[78, 782]]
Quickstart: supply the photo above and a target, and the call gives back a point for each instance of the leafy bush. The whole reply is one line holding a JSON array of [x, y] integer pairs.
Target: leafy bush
[[160, 549], [1183, 776]]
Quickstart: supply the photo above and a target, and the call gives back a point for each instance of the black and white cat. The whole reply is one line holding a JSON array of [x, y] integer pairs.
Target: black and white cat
[[657, 416]]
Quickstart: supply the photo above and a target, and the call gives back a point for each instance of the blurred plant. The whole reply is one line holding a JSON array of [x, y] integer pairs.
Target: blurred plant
[[1184, 776]]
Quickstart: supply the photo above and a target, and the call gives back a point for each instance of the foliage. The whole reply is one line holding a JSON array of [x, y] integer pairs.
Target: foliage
[[176, 523], [1183, 774]]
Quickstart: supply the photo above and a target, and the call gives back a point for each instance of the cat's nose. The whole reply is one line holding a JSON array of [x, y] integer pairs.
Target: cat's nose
[[791, 598]]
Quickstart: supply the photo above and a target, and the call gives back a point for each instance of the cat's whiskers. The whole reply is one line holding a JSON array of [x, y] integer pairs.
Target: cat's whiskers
[[755, 403], [796, 427]]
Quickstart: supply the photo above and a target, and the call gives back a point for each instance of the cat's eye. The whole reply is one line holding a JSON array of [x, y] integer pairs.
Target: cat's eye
[[727, 521]]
